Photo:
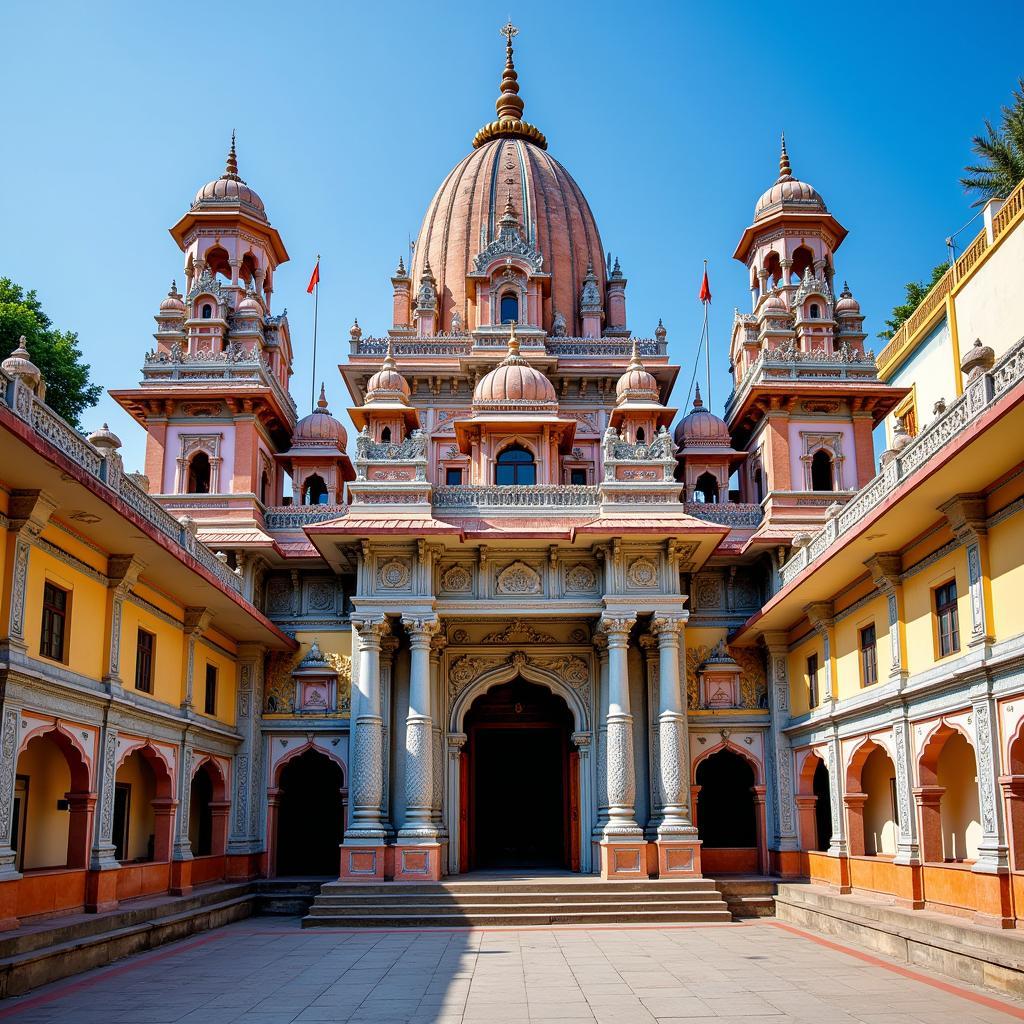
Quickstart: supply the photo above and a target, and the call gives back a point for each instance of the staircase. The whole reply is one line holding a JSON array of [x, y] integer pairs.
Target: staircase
[[512, 902]]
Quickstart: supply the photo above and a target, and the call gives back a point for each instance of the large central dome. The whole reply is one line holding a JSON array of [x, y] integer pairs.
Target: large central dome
[[510, 160]]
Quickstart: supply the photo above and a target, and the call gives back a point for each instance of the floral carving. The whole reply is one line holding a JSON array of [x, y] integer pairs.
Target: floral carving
[[456, 579], [519, 632], [519, 578], [642, 573], [394, 574], [580, 578]]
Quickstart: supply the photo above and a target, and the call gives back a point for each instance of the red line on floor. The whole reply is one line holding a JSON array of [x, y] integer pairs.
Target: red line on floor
[[66, 986], [906, 972]]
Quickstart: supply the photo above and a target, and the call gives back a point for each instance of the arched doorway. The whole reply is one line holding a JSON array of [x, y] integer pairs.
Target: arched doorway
[[520, 792], [822, 808], [726, 813], [310, 815]]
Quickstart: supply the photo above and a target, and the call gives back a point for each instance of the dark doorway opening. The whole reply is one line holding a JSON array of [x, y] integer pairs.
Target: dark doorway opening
[[822, 807], [522, 792], [727, 815], [310, 816]]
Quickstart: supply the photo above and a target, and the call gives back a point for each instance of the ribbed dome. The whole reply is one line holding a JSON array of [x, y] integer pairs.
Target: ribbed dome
[[775, 303], [229, 190], [847, 303], [702, 427], [250, 306], [387, 384], [636, 384], [513, 383], [788, 193], [19, 364], [173, 302], [509, 172], [319, 427]]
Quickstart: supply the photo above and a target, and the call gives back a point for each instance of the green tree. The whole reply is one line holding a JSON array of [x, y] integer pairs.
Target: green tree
[[1002, 154], [55, 352], [916, 291]]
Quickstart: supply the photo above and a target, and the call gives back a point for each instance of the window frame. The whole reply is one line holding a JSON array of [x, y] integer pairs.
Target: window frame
[[448, 471], [813, 698], [946, 612], [868, 655], [210, 691], [149, 661], [51, 613], [515, 465]]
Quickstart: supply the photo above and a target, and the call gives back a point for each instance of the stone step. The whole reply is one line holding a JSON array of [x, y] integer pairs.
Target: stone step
[[512, 917], [474, 907], [749, 897], [589, 884], [291, 897], [399, 895]]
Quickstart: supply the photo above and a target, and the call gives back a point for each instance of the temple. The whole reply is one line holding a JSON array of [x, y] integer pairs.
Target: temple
[[531, 615]]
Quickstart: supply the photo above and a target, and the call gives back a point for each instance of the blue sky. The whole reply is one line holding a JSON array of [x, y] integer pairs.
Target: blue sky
[[349, 115]]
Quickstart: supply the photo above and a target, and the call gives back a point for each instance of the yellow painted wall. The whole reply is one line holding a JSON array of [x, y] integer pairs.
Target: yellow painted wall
[[167, 669], [798, 681], [880, 828], [227, 681], [919, 602], [334, 643], [846, 647], [84, 641], [140, 777], [961, 819], [1006, 565], [46, 828]]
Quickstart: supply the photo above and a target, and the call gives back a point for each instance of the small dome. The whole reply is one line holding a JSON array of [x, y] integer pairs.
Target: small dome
[[250, 305], [319, 427], [104, 438], [789, 193], [19, 364], [636, 384], [702, 427], [173, 303], [514, 382], [660, 331], [229, 189], [847, 303], [387, 384], [775, 304]]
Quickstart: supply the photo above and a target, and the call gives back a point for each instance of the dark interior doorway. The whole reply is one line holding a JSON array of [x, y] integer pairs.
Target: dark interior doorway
[[521, 789], [822, 807], [310, 816], [725, 804]]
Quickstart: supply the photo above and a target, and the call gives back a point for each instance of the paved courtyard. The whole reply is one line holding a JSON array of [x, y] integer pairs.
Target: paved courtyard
[[268, 971]]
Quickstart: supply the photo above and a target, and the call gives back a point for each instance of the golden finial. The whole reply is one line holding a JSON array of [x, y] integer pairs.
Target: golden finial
[[321, 403], [509, 105], [785, 171], [389, 359], [635, 362]]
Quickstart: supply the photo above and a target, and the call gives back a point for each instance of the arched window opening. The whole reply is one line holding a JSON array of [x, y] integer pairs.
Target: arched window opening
[[803, 260], [247, 271], [199, 474], [218, 262], [758, 486], [135, 821], [726, 815], [264, 487], [314, 491], [705, 490], [957, 775], [200, 823], [815, 311], [822, 808], [310, 816], [207, 311], [509, 308], [773, 265], [385, 435], [516, 466], [821, 471], [640, 435], [880, 823]]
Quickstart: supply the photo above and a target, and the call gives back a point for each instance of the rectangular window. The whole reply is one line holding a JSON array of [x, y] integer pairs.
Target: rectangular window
[[948, 620], [144, 661], [578, 477], [453, 477], [868, 656], [54, 631], [812, 681], [210, 699]]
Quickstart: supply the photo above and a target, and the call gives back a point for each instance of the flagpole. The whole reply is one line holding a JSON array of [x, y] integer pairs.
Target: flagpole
[[707, 343], [316, 316]]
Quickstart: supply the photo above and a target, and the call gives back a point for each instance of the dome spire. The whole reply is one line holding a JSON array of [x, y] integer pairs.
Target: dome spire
[[231, 167], [321, 403], [697, 403], [785, 170], [509, 105]]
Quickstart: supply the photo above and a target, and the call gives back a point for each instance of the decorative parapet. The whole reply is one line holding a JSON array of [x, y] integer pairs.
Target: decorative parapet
[[235, 363], [653, 462], [464, 345], [294, 517], [738, 515], [493, 496], [980, 394], [109, 470]]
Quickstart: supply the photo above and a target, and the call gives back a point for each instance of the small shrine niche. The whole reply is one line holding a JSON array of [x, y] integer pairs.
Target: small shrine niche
[[316, 683], [719, 680]]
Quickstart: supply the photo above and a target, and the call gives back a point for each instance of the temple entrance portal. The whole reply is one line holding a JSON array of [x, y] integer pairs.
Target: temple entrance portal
[[520, 792]]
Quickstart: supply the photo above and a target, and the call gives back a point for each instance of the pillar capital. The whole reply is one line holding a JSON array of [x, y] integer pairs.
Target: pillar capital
[[776, 640], [886, 570], [821, 615], [667, 628], [371, 628], [967, 516], [421, 629], [616, 628]]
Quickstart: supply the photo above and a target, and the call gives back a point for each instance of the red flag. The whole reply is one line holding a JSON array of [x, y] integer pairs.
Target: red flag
[[705, 288], [315, 278]]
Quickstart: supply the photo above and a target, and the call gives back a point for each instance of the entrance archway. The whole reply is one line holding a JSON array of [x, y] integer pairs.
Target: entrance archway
[[727, 815], [520, 792], [310, 815]]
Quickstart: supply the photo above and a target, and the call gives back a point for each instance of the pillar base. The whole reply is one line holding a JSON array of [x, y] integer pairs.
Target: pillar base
[[366, 863], [787, 863], [240, 867], [909, 886], [419, 862], [181, 877], [993, 904], [9, 904], [101, 890], [678, 858], [624, 858]]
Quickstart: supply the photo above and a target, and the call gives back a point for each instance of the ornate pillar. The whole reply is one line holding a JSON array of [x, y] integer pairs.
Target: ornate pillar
[[388, 649], [457, 839], [9, 733], [244, 832], [122, 574], [649, 645], [419, 853], [968, 519], [437, 645], [994, 898], [623, 850], [678, 845], [581, 741], [786, 839], [101, 884], [181, 857], [28, 514], [886, 574], [196, 622], [601, 646], [838, 846], [821, 616], [362, 854]]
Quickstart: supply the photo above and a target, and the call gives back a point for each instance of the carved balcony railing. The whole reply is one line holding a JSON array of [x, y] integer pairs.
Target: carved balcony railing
[[234, 364], [738, 515], [979, 394], [495, 496], [109, 470], [464, 345], [294, 517]]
